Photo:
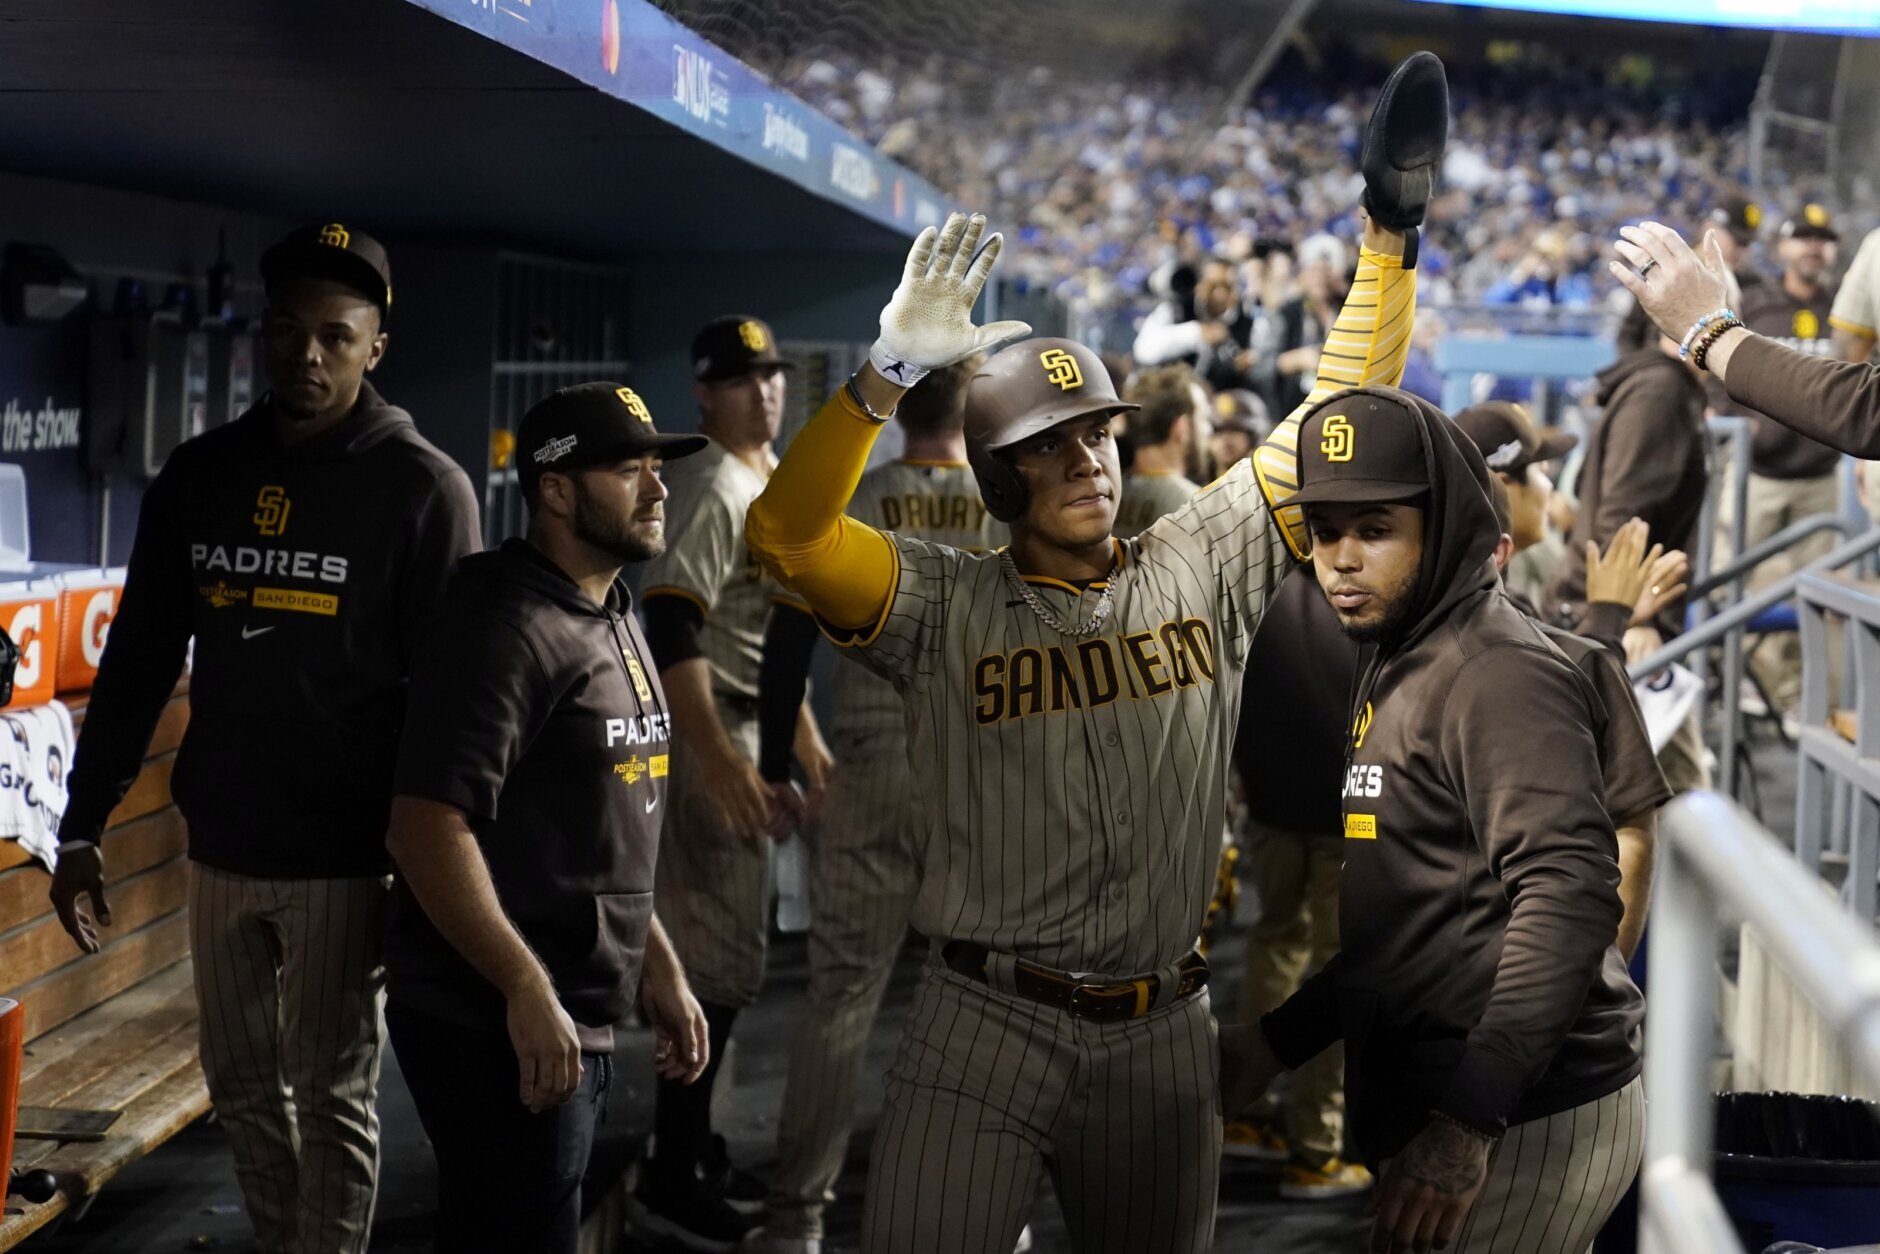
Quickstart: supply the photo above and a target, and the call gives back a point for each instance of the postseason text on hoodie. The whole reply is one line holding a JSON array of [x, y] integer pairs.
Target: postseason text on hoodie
[[1479, 906], [306, 573]]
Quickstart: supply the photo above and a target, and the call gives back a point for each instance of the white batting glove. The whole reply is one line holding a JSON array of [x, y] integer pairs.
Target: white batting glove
[[928, 323]]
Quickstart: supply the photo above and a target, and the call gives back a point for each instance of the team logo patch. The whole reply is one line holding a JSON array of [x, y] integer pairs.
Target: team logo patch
[[632, 770], [271, 511], [1752, 215], [336, 236], [1361, 727], [657, 765], [1504, 457], [555, 449], [221, 594], [1807, 325], [1338, 441], [1360, 827], [1061, 368], [634, 404], [752, 333], [638, 675], [1815, 215]]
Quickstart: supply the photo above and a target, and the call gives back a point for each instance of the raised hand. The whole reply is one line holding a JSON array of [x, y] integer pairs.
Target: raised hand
[[928, 322]]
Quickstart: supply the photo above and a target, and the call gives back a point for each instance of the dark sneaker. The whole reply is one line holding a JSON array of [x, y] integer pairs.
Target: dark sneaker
[[689, 1213], [741, 1190]]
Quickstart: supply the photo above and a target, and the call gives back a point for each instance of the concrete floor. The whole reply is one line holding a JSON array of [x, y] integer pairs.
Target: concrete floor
[[184, 1196]]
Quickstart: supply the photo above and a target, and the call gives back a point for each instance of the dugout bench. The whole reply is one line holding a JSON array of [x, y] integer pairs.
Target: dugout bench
[[111, 1069]]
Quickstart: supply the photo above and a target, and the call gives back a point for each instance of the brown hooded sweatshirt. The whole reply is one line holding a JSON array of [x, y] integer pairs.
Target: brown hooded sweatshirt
[[1480, 898]]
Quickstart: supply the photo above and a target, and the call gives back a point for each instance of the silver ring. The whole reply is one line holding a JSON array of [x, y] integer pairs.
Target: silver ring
[[1647, 267]]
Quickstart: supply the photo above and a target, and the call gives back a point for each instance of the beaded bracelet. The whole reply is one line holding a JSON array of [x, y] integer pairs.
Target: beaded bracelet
[[1701, 352], [1697, 329]]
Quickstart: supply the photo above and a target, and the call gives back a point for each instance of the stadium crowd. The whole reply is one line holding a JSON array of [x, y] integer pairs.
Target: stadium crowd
[[1103, 186]]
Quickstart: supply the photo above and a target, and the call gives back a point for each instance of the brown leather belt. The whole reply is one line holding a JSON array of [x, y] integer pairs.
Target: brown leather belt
[[1110, 1001]]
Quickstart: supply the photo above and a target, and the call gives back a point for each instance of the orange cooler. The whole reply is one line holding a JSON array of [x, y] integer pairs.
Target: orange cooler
[[30, 613], [88, 601], [12, 1046]]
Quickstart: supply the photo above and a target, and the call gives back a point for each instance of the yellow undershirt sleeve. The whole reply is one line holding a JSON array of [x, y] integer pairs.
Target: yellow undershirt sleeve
[[1367, 347], [844, 570]]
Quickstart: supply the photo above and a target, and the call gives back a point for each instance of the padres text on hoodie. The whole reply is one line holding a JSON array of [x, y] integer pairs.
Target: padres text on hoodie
[[306, 573]]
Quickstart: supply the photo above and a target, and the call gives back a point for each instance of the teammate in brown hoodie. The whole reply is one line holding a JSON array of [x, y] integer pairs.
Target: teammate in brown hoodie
[[1491, 1032]]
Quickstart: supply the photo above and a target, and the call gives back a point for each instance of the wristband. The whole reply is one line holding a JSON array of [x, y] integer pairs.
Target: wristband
[[1701, 352], [1698, 327], [855, 394], [892, 368], [1439, 1117]]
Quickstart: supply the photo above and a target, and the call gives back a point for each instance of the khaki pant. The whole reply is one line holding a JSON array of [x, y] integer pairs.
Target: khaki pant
[[292, 997], [1772, 505], [862, 881], [1296, 878], [713, 886], [991, 1090], [1553, 1182]]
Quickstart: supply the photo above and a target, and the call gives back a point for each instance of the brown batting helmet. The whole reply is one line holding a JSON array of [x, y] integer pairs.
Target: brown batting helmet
[[1022, 390]]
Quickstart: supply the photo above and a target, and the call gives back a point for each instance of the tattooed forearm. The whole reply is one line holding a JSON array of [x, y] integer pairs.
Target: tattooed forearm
[[1445, 1156]]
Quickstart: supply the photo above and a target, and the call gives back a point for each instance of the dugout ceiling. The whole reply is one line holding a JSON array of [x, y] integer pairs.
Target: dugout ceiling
[[384, 111]]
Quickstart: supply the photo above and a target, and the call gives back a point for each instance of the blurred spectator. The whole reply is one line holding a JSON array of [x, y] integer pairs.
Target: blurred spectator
[[1162, 432], [1549, 274], [1324, 278], [1241, 420], [1791, 476]]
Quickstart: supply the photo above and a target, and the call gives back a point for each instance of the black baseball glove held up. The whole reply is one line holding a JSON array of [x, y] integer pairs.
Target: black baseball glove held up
[[1403, 147]]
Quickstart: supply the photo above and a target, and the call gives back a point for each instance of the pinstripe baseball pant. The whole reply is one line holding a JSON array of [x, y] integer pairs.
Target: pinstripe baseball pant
[[713, 886], [862, 883], [1553, 1182], [292, 995], [989, 1090]]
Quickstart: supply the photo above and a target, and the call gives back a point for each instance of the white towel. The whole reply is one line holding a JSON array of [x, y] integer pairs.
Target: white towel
[[35, 756], [1665, 698]]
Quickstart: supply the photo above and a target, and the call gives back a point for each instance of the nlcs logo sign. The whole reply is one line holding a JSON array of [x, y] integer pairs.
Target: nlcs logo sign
[[271, 511]]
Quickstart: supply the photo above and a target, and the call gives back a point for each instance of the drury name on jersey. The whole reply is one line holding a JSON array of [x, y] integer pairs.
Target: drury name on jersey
[[931, 511], [1141, 665]]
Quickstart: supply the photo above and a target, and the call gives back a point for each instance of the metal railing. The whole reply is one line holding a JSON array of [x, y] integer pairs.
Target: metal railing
[[1713, 858], [1837, 792]]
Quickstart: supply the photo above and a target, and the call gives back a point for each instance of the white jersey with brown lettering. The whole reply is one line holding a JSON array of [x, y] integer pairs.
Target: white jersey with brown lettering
[[707, 562], [1073, 789], [926, 500]]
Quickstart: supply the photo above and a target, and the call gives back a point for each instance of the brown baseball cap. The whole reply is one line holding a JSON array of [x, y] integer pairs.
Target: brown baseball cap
[[1508, 439], [727, 347], [1361, 447], [1813, 222], [1739, 215], [335, 251], [1034, 385]]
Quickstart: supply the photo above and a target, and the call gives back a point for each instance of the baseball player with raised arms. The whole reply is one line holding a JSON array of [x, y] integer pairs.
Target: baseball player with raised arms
[[1070, 706], [864, 866]]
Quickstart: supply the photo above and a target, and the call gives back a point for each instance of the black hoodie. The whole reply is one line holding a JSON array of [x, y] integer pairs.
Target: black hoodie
[[539, 714], [306, 573], [1480, 902]]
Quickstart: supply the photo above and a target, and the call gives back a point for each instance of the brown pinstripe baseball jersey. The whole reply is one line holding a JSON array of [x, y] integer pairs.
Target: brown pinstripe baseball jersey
[[1147, 497], [1097, 766], [707, 562]]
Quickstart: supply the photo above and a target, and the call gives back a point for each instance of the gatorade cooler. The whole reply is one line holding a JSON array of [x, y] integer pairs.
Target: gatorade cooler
[[88, 601], [12, 1047], [30, 613]]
